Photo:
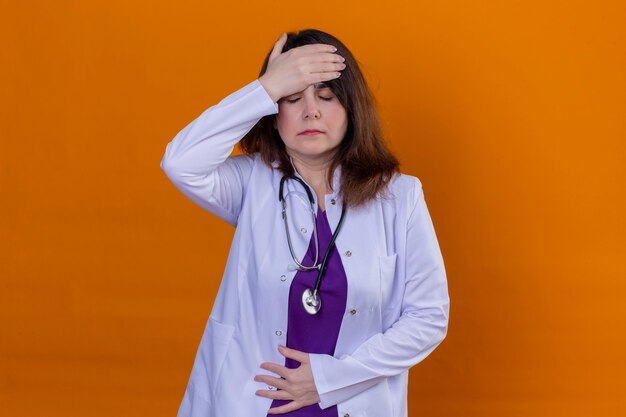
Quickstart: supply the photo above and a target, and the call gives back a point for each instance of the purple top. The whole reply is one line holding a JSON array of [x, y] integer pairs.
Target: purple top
[[316, 333]]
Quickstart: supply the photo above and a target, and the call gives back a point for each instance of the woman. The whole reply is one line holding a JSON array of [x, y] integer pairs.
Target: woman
[[316, 185]]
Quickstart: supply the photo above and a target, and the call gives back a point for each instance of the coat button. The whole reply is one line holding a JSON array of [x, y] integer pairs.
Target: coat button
[[352, 311], [278, 333], [348, 253], [346, 415], [303, 230], [333, 201], [283, 277]]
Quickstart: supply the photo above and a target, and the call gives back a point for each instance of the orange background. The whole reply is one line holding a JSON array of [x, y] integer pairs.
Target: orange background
[[511, 113]]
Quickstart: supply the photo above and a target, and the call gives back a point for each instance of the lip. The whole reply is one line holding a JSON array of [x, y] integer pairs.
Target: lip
[[310, 132]]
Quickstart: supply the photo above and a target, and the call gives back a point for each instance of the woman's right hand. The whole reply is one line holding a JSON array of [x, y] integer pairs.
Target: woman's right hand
[[293, 71]]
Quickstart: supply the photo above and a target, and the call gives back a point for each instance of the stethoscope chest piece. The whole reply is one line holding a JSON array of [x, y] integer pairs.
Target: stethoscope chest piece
[[311, 301]]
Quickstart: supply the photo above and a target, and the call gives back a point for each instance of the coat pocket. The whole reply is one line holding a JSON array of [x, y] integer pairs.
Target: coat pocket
[[210, 358]]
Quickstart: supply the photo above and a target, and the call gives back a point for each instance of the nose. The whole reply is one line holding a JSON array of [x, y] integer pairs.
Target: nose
[[311, 109]]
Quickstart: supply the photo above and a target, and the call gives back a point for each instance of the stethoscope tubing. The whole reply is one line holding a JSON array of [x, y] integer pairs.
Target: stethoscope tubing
[[311, 300], [331, 244], [284, 214]]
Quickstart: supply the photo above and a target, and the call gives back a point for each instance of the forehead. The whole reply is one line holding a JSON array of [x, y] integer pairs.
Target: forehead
[[318, 86]]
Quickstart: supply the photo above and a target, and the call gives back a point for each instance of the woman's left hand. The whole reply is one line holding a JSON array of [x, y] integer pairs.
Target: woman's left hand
[[296, 384]]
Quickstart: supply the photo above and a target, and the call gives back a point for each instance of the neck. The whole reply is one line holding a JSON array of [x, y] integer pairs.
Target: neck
[[314, 172]]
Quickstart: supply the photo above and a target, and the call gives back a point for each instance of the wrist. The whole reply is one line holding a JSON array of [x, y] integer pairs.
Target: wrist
[[269, 89]]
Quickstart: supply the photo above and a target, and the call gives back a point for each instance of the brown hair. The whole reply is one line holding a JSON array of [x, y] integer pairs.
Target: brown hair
[[367, 165]]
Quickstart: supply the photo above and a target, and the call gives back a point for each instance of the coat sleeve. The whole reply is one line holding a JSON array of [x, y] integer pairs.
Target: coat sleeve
[[197, 159], [421, 326]]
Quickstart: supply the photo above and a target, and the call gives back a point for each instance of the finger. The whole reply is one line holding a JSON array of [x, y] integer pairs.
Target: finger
[[319, 58], [321, 77], [297, 355], [325, 67], [272, 381], [274, 395], [325, 57], [275, 368], [294, 405], [278, 46], [315, 48]]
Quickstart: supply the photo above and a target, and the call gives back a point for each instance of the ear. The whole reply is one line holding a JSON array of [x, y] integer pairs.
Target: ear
[[274, 125]]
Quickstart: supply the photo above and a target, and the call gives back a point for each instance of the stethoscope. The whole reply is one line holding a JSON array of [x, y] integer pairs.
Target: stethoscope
[[311, 300]]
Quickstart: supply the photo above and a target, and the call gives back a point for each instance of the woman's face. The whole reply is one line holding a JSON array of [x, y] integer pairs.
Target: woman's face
[[311, 123]]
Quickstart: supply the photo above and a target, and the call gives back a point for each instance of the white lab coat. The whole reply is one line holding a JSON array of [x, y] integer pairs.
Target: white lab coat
[[397, 303]]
